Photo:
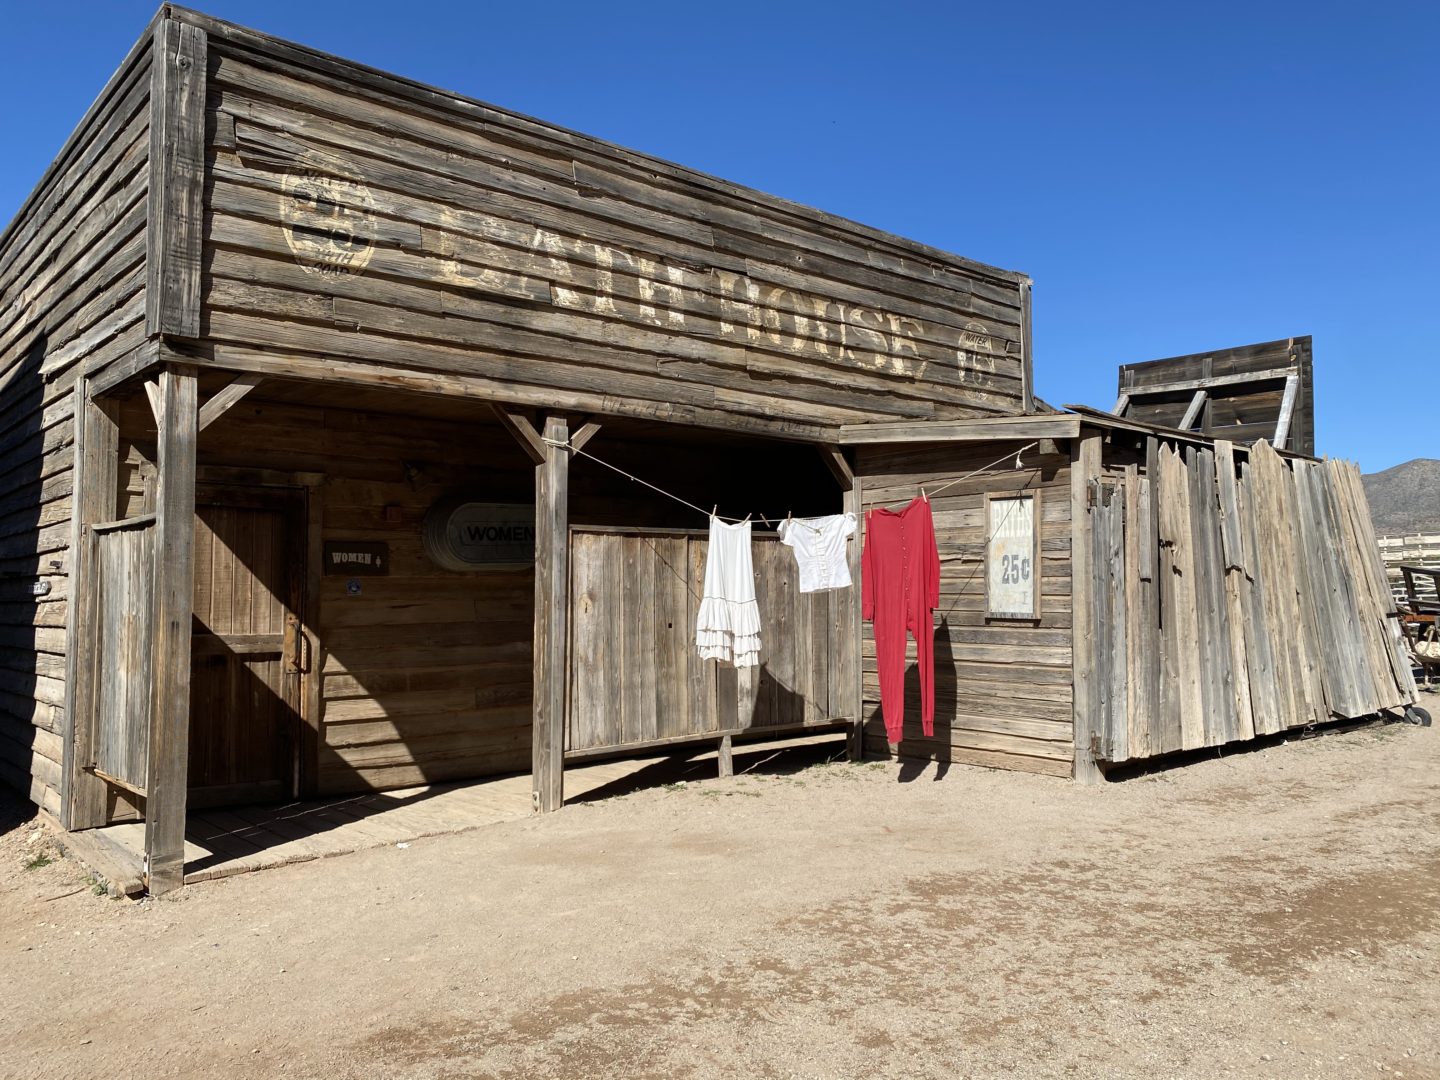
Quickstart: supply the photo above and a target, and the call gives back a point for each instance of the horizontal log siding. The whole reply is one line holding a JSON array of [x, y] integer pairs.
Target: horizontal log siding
[[1004, 698], [540, 264], [71, 301]]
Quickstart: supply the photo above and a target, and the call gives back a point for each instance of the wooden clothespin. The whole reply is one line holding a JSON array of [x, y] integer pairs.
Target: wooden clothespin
[[715, 511]]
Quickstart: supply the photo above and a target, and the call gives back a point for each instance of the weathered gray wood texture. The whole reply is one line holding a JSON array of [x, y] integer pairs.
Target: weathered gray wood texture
[[1273, 611], [1003, 688], [636, 678], [361, 227], [72, 279], [423, 675], [1244, 392], [122, 672]]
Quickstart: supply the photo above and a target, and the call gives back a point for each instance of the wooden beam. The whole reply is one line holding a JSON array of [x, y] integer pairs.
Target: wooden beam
[[847, 636], [726, 757], [1121, 404], [97, 456], [1193, 411], [1265, 375], [1039, 426], [1287, 411], [522, 431], [552, 595], [839, 467], [583, 434], [152, 395], [107, 377], [173, 582], [175, 227], [1084, 467], [227, 398], [1027, 358]]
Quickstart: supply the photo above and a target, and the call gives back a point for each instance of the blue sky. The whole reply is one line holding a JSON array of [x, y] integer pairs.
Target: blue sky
[[1174, 177]]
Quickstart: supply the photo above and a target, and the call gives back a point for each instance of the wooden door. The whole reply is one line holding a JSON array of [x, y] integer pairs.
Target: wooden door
[[245, 688]]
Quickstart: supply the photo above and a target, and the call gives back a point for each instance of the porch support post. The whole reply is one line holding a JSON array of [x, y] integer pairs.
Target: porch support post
[[97, 449], [552, 634], [846, 669], [173, 594], [1084, 468]]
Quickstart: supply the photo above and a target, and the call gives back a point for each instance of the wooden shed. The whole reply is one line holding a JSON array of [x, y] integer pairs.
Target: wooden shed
[[1184, 592], [337, 415]]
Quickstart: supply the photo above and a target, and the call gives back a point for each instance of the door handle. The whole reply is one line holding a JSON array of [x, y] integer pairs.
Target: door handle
[[293, 660]]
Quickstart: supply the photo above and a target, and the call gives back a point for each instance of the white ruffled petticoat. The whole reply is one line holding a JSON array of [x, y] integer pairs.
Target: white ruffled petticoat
[[728, 626]]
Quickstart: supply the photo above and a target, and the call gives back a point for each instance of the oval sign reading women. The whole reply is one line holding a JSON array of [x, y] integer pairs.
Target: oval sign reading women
[[461, 534]]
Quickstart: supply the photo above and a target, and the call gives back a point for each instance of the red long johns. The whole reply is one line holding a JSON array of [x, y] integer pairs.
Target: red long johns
[[900, 587]]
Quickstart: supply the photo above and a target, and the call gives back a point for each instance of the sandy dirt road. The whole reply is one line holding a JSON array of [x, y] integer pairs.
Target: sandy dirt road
[[1267, 914]]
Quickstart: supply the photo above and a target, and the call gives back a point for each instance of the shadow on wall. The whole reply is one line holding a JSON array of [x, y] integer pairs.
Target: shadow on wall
[[34, 529], [917, 750]]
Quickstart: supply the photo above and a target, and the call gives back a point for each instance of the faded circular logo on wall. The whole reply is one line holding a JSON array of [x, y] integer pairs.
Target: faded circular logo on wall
[[328, 217]]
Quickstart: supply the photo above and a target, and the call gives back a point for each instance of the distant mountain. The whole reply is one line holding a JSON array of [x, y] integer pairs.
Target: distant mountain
[[1406, 499]]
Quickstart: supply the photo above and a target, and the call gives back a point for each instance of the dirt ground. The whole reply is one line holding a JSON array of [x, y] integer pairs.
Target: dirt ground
[[1267, 914]]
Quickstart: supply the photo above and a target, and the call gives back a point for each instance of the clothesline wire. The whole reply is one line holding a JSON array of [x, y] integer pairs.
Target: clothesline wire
[[700, 510]]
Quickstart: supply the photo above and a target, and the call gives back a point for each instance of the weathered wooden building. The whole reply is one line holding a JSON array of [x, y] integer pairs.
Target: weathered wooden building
[[301, 370]]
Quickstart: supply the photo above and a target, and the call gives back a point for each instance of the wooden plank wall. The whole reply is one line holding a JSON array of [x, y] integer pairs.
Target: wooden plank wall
[[425, 676], [1237, 413], [1003, 688], [124, 653], [71, 301], [359, 224], [1273, 612], [635, 675]]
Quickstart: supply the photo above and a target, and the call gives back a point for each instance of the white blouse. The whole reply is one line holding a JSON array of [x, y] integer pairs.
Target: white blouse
[[819, 546]]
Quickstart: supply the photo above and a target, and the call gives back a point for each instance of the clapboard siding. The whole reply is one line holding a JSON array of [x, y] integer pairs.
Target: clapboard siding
[[1003, 689], [71, 301], [486, 242]]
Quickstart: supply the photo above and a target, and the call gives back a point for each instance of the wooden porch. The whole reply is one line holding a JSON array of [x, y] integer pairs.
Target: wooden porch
[[238, 840]]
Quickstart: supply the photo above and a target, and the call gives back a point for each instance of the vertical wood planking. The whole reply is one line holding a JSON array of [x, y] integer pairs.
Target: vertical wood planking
[[1084, 469], [82, 802], [175, 224], [1027, 360], [552, 584], [312, 682], [1232, 567], [1260, 645], [1110, 619], [1220, 719], [174, 589], [1155, 671], [846, 633], [1139, 654]]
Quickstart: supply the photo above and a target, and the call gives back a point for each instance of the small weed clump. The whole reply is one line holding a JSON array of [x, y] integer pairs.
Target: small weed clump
[[43, 859]]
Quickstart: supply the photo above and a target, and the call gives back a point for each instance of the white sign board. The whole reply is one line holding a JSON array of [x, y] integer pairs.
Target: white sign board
[[1012, 558]]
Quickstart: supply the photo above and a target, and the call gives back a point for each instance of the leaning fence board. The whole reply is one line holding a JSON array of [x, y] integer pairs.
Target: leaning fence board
[[1232, 569], [1213, 652]]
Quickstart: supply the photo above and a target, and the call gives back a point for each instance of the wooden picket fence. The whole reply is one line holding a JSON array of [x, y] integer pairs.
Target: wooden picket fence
[[1235, 599]]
